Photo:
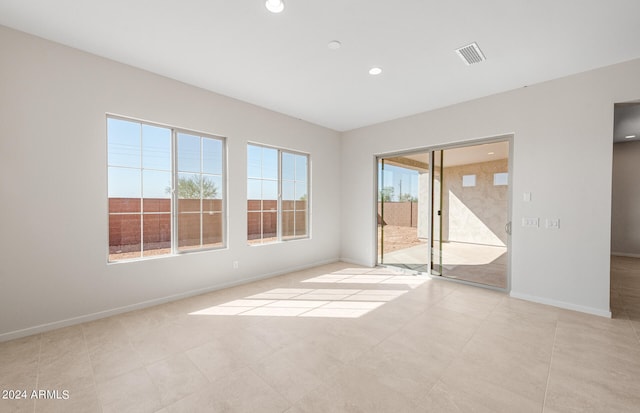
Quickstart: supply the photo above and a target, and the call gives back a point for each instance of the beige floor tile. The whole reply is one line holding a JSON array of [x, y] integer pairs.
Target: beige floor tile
[[287, 329], [24, 349], [242, 391], [635, 323], [355, 390], [430, 345], [19, 364], [112, 361], [516, 314], [20, 376], [261, 337], [343, 342], [577, 320], [511, 371], [216, 360], [17, 406], [444, 331], [310, 356], [81, 401], [576, 388], [367, 330], [471, 305], [156, 344], [474, 395], [107, 332], [287, 377], [535, 344], [130, 392], [142, 321], [192, 332], [535, 310], [64, 341], [70, 371], [402, 368], [620, 340], [619, 369], [176, 378]]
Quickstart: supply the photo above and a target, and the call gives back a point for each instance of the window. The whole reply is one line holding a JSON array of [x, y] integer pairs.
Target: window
[[294, 195], [468, 180], [154, 172], [277, 195], [501, 178]]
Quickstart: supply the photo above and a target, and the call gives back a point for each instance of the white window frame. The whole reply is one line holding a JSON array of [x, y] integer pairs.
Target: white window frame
[[501, 179], [174, 193], [279, 237], [468, 181]]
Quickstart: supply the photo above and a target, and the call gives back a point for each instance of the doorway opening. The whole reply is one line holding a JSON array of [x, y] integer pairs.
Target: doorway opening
[[446, 212], [625, 212]]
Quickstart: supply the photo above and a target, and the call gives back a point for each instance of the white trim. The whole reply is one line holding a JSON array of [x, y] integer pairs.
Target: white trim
[[357, 262], [625, 254], [149, 303], [561, 304]]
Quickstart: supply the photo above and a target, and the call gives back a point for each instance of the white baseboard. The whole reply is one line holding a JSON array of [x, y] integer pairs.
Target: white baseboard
[[561, 304], [11, 335], [357, 262], [625, 254]]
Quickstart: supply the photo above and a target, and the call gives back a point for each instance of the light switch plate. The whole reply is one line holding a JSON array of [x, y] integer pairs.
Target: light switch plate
[[526, 197], [552, 223]]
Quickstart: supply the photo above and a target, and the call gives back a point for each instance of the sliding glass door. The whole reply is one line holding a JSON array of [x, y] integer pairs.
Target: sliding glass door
[[446, 212], [403, 202], [436, 216], [473, 213]]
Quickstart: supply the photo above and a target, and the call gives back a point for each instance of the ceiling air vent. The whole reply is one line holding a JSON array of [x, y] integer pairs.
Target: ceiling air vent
[[471, 54]]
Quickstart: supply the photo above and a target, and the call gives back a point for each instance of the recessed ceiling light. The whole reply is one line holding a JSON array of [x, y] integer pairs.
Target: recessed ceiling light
[[491, 153], [630, 136], [274, 6], [334, 45], [374, 71]]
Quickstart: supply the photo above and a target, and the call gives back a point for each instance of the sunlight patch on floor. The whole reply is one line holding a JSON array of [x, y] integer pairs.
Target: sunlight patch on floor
[[411, 281], [302, 302]]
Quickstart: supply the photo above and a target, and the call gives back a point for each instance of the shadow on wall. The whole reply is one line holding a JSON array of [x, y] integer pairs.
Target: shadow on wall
[[475, 214]]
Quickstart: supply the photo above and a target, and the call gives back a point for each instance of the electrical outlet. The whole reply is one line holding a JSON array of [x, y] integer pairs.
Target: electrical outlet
[[531, 222], [552, 223]]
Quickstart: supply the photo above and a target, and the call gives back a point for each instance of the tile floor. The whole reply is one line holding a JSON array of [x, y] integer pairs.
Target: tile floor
[[341, 339]]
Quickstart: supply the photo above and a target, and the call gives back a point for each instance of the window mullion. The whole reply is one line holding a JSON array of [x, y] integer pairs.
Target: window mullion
[[307, 214], [141, 195], [174, 191], [279, 214], [201, 189]]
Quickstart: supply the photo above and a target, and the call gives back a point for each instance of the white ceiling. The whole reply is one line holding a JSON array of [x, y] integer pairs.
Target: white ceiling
[[282, 62]]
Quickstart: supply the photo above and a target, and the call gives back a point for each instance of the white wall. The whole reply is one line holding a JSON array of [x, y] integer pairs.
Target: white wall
[[625, 219], [53, 209], [562, 154]]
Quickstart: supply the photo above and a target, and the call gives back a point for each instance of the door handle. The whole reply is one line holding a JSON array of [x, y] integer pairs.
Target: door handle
[[507, 228]]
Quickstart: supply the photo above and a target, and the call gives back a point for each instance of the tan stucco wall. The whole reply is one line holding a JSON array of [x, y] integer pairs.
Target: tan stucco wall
[[475, 214]]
